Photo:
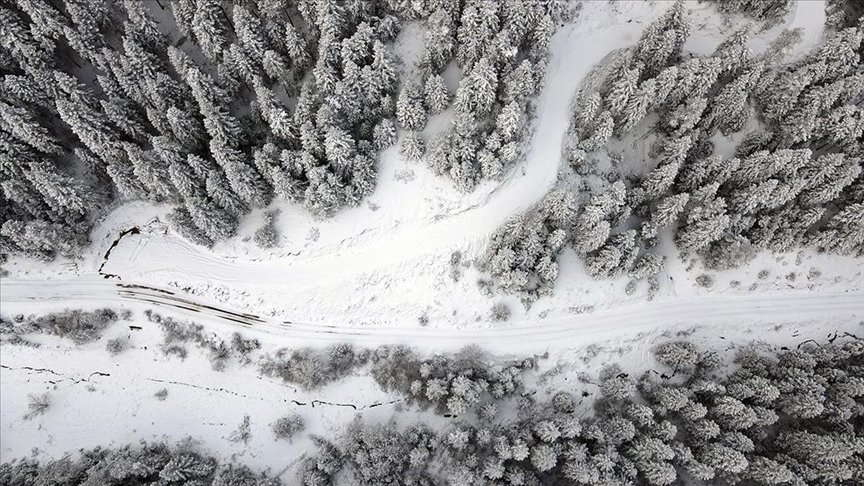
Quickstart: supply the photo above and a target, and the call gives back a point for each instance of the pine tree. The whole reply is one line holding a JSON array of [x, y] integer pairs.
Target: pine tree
[[662, 41], [706, 222], [219, 190], [604, 127], [93, 129], [339, 148], [64, 192], [182, 222], [826, 177], [638, 105], [277, 67], [521, 83], [384, 134], [186, 127], [409, 108], [210, 28], [621, 89], [666, 213], [437, 97], [243, 178], [280, 121], [41, 239], [23, 125], [151, 172], [125, 117], [296, 47], [47, 22], [476, 91], [412, 146], [440, 41], [477, 26], [214, 221], [249, 32], [509, 122]]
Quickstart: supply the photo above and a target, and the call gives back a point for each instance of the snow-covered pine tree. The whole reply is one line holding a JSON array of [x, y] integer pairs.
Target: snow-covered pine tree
[[409, 108], [210, 26], [437, 96]]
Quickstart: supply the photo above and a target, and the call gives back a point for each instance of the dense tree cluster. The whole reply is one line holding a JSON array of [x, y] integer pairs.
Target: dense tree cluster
[[156, 463], [450, 384], [775, 417], [522, 254], [841, 14], [312, 368], [796, 180], [770, 416], [768, 10], [500, 48], [213, 109]]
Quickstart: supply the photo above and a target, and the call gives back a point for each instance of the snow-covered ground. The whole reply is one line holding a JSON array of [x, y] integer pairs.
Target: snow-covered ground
[[99, 399], [368, 274], [388, 262], [579, 328]]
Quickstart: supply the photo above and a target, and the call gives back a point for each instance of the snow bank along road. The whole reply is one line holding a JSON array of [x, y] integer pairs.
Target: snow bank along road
[[844, 309]]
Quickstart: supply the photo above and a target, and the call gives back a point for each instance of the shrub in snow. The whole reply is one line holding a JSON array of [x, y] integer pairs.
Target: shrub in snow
[[308, 367], [37, 405], [176, 333], [243, 432], [116, 345], [705, 280], [77, 325], [500, 312], [288, 426], [266, 236]]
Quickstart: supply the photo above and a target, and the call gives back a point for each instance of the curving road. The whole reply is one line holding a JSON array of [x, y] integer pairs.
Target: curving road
[[161, 258], [574, 50], [153, 261]]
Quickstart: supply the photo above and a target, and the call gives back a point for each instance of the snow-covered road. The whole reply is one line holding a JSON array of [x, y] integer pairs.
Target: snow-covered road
[[371, 274], [571, 331], [142, 257]]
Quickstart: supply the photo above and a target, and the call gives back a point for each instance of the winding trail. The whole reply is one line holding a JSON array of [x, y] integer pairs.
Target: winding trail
[[145, 264], [574, 53]]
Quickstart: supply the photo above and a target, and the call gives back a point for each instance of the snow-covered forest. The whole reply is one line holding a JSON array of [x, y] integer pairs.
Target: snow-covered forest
[[738, 413], [431, 242], [217, 109], [793, 180]]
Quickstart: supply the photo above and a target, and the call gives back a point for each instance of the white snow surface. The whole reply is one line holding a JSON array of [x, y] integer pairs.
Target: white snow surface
[[387, 263], [367, 277], [103, 400]]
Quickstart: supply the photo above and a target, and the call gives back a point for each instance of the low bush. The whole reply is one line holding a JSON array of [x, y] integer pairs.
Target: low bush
[[79, 326], [288, 426]]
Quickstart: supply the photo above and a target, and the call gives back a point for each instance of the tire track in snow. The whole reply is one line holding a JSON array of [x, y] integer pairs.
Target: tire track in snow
[[569, 331]]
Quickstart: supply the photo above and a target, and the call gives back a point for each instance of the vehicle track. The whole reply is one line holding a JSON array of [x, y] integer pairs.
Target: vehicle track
[[544, 334]]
